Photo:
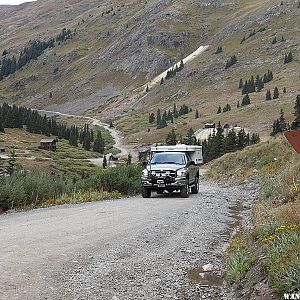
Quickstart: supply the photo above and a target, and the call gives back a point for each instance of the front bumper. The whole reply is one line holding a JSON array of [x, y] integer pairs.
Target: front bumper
[[159, 183]]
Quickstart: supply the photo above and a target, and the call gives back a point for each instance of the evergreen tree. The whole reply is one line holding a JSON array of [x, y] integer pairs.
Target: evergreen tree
[[190, 138], [296, 123], [11, 163], [171, 138], [242, 140], [151, 118], [238, 104], [284, 90], [219, 110], [104, 163], [282, 121], [268, 95], [274, 40], [279, 125], [241, 84], [219, 50], [276, 93], [230, 142], [98, 145], [1, 124], [255, 139], [158, 118], [197, 114], [129, 159], [288, 58], [147, 88], [246, 100], [162, 81]]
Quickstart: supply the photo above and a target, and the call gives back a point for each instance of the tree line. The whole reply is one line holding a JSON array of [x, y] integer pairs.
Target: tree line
[[217, 143], [162, 119], [252, 86], [9, 65], [18, 116]]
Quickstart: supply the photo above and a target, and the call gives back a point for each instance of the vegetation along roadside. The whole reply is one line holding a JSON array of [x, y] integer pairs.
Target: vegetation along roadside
[[269, 250]]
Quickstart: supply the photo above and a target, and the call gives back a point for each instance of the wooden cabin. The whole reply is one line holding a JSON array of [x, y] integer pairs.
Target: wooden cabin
[[48, 144]]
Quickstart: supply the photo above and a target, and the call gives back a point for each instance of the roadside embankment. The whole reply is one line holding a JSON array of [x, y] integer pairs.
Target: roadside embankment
[[263, 260]]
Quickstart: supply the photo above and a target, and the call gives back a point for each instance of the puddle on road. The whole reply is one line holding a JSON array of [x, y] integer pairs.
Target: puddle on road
[[235, 212], [204, 278]]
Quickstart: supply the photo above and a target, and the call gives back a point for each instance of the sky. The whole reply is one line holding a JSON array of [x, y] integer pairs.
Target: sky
[[14, 2]]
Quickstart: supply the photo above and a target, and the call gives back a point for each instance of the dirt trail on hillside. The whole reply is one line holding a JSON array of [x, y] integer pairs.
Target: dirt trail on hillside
[[186, 60], [117, 135]]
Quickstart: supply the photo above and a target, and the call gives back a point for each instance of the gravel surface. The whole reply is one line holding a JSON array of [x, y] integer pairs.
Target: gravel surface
[[132, 248]]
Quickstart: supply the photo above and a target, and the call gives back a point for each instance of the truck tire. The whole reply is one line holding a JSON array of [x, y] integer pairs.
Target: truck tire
[[146, 193], [184, 192], [195, 188]]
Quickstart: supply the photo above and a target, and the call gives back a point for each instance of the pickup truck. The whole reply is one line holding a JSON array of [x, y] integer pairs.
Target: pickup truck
[[172, 168]]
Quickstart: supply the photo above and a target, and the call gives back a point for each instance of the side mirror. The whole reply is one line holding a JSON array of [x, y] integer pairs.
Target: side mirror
[[145, 163]]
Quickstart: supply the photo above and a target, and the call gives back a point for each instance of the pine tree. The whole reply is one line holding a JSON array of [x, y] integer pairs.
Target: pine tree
[[129, 159], [158, 117], [242, 140], [284, 90], [197, 115], [162, 81], [98, 145], [219, 110], [276, 93], [238, 104], [147, 88], [11, 163], [246, 100], [111, 125], [274, 40], [255, 139], [268, 95], [296, 123], [1, 125], [171, 138], [190, 138], [241, 84], [104, 163], [151, 118], [230, 142], [282, 122]]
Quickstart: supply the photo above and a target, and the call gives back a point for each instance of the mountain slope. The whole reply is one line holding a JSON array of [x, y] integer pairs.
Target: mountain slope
[[119, 48]]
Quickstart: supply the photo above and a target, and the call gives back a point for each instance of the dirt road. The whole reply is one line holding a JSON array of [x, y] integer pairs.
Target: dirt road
[[132, 248]]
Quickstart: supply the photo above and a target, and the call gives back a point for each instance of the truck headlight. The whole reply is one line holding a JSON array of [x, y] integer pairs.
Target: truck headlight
[[181, 172], [145, 173]]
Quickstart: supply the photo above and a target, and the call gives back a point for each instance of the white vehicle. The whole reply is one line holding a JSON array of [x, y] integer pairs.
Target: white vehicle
[[172, 168]]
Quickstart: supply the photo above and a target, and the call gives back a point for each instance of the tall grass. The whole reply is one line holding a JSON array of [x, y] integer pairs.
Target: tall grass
[[35, 188]]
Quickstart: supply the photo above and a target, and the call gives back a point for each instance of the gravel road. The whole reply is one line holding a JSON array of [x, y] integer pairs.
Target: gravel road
[[131, 248]]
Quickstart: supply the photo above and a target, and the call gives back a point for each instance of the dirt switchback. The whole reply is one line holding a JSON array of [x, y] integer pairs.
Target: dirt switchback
[[132, 248]]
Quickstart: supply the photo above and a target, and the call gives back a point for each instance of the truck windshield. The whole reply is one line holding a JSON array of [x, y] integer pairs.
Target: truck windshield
[[168, 158]]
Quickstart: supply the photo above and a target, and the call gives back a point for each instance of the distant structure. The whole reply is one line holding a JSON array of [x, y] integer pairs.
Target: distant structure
[[48, 144], [210, 129], [203, 133]]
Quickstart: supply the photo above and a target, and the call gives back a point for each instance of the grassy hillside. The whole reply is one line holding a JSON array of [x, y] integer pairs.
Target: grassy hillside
[[270, 249]]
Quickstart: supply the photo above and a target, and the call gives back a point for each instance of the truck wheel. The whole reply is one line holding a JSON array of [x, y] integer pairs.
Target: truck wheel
[[146, 193], [195, 188], [184, 192]]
